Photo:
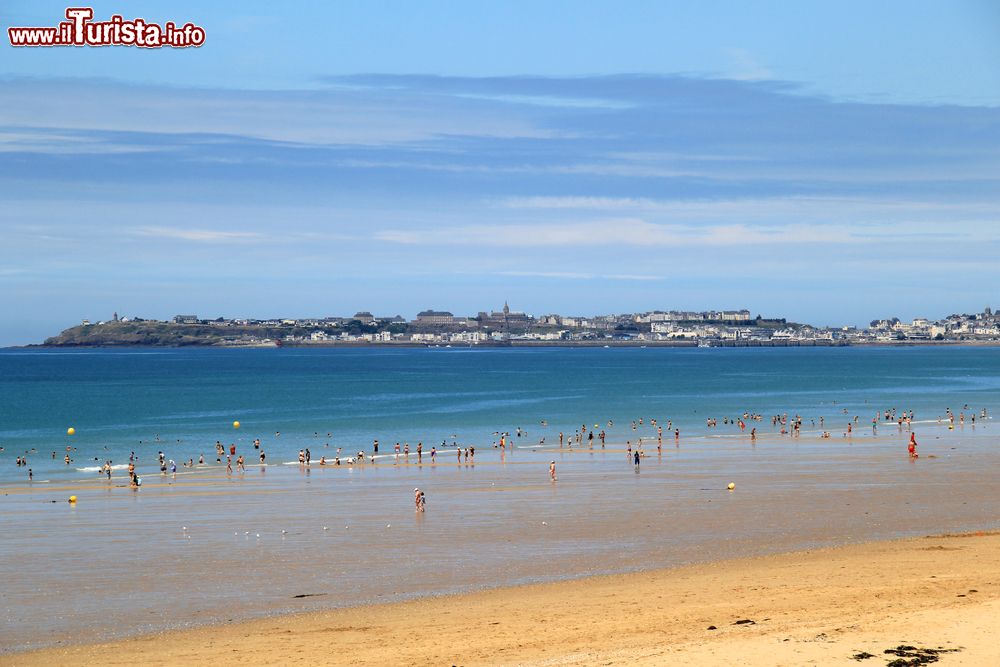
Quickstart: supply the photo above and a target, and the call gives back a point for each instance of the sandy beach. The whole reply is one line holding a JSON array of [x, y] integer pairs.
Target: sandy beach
[[613, 563], [829, 606]]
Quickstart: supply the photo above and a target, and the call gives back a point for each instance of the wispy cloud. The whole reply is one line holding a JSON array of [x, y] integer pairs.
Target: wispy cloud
[[897, 215], [578, 203], [615, 232], [550, 101], [570, 275], [371, 117], [199, 235], [42, 140], [745, 66]]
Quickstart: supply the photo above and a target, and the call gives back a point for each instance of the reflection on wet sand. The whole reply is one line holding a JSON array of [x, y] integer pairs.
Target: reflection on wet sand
[[206, 546]]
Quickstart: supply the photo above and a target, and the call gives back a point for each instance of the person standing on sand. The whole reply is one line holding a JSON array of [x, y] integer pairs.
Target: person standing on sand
[[552, 470], [636, 459], [912, 447], [420, 452]]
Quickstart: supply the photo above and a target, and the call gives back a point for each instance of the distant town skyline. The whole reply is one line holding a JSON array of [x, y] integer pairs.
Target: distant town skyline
[[831, 163], [507, 327], [736, 316]]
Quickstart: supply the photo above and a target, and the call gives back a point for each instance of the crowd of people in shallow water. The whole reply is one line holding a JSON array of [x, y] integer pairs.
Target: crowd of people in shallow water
[[783, 424]]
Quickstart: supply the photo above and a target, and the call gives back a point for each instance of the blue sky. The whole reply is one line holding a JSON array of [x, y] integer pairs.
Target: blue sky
[[829, 164]]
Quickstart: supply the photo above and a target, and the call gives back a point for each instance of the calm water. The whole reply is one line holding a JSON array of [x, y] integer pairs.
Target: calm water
[[185, 549], [189, 398]]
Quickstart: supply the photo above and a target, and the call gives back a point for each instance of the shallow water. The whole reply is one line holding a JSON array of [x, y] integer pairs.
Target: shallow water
[[120, 561]]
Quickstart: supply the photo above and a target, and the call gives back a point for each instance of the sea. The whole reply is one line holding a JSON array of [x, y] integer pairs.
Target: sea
[[205, 545]]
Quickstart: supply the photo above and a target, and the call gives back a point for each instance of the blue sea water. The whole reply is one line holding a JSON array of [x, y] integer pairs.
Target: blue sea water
[[206, 546], [181, 401]]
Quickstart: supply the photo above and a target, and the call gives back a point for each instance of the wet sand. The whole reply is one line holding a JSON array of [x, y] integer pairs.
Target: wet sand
[[815, 607], [206, 548]]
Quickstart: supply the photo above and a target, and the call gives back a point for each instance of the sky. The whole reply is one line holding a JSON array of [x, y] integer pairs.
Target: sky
[[829, 163]]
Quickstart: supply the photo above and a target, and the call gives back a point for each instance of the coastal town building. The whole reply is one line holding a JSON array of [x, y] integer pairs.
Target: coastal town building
[[435, 317]]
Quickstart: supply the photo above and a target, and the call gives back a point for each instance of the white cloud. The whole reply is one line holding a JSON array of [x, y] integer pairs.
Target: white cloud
[[745, 66], [329, 117], [42, 141], [580, 276], [894, 216], [578, 203], [617, 232], [551, 101], [199, 235]]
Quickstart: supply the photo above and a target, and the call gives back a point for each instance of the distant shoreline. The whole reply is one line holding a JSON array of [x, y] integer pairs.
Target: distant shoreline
[[686, 344]]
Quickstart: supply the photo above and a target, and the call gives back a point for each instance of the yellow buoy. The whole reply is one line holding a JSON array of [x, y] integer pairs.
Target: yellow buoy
[[72, 499], [731, 486], [70, 431], [236, 424]]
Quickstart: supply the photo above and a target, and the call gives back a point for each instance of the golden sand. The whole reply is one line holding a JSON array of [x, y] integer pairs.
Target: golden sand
[[816, 607]]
